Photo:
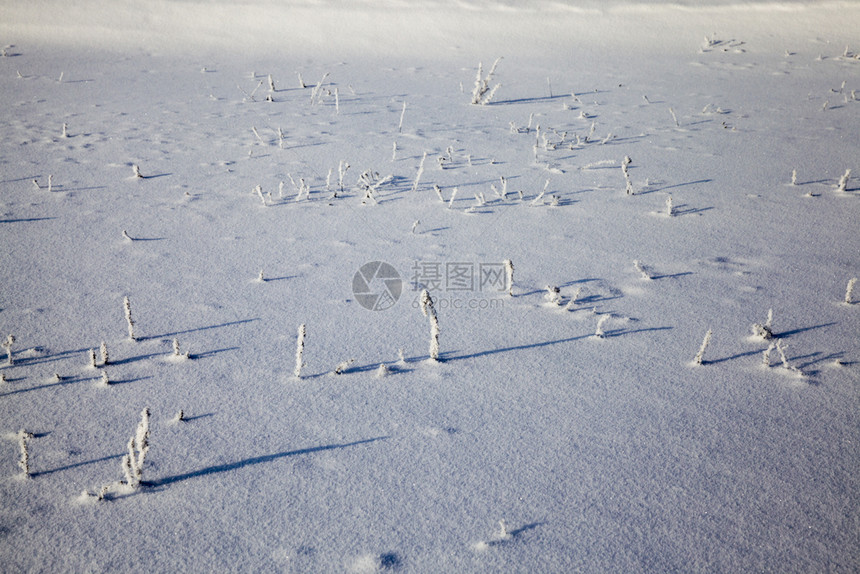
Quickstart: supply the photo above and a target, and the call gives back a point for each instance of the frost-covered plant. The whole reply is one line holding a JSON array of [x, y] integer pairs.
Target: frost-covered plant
[[3, 379], [24, 462], [843, 181], [138, 446], [641, 270], [342, 168], [318, 88], [136, 171], [573, 299], [300, 349], [849, 291], [257, 135], [180, 416], [764, 332], [302, 84], [438, 191], [626, 173], [104, 352], [104, 381], [781, 350], [419, 173], [553, 295], [127, 307], [259, 191], [7, 344], [429, 311], [509, 276], [271, 84], [341, 367], [598, 331], [415, 225], [538, 200], [482, 93], [402, 115], [794, 177], [698, 360], [65, 133], [453, 195], [382, 371], [674, 117], [177, 352], [670, 206], [765, 356]]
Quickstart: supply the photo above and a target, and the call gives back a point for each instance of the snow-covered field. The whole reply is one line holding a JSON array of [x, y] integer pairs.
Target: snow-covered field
[[612, 453]]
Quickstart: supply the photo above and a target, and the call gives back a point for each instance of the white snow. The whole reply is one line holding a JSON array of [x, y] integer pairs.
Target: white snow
[[600, 454]]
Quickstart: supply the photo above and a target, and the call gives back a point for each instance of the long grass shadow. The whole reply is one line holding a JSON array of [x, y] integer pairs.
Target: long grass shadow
[[26, 220], [60, 383], [76, 465], [622, 332], [665, 187], [198, 329], [786, 334], [733, 357], [255, 460], [448, 358], [671, 275], [206, 354]]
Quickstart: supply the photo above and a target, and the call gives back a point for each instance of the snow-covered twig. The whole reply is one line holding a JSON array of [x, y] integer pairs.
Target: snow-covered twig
[[698, 360], [300, 349], [429, 310]]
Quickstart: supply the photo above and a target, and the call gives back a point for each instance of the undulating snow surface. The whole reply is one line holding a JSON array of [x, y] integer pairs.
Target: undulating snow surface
[[612, 453]]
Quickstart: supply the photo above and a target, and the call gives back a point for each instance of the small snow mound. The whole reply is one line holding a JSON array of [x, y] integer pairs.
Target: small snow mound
[[86, 498], [370, 563]]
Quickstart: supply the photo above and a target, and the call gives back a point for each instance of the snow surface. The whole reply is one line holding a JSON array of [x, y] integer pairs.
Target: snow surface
[[610, 454]]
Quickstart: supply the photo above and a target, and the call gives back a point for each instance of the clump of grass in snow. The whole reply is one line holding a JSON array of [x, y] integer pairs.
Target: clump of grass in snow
[[642, 270], [177, 354], [482, 94], [341, 367], [599, 333], [764, 331], [670, 206], [553, 295], [843, 181]]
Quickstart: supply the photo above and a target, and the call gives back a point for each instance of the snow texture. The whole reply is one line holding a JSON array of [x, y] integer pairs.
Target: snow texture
[[595, 454]]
